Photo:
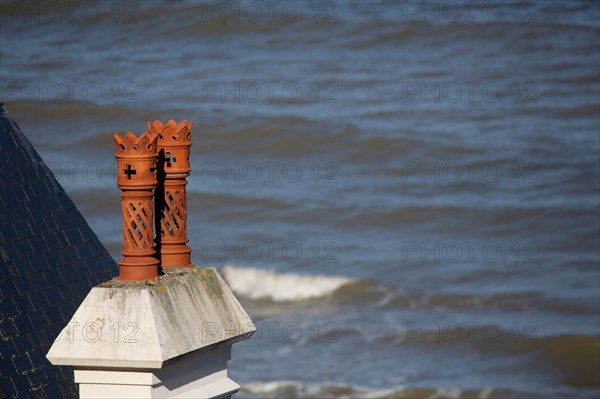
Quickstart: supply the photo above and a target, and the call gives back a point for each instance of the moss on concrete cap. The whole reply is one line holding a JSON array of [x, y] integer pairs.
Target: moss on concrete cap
[[145, 324]]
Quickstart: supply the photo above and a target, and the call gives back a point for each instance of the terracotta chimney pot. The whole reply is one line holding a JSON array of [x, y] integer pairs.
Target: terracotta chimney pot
[[170, 203], [136, 178]]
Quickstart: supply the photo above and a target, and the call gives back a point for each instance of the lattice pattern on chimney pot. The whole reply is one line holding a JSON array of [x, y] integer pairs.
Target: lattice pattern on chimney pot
[[136, 178], [174, 141]]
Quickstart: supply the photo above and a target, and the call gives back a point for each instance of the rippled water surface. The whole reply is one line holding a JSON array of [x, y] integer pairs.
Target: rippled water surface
[[404, 195]]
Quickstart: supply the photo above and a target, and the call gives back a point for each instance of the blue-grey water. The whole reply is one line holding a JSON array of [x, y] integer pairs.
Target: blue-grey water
[[404, 195]]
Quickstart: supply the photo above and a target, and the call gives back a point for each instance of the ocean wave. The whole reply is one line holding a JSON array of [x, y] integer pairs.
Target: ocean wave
[[569, 358], [485, 215], [301, 390], [281, 136], [255, 283], [220, 205], [573, 358], [59, 110], [509, 301], [199, 18], [271, 288]]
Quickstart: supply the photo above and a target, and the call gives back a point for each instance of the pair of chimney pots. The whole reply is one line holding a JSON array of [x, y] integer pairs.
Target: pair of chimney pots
[[152, 171]]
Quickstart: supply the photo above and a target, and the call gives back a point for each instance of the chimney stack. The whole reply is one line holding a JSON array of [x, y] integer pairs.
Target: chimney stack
[[171, 336], [173, 148], [136, 178]]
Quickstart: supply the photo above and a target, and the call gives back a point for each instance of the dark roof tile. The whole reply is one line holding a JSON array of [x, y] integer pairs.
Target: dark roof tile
[[24, 325], [53, 259], [65, 202], [37, 357], [82, 286], [38, 280], [55, 391], [9, 195], [70, 256], [7, 230], [52, 184], [49, 260], [10, 346], [67, 309], [7, 142], [28, 172], [9, 271], [10, 251], [25, 248], [22, 362], [38, 242], [41, 225], [85, 250], [54, 295], [39, 318], [52, 204], [18, 156], [68, 272], [40, 189], [39, 376], [20, 138], [8, 327], [9, 306], [36, 207], [24, 230], [9, 177], [26, 304], [8, 125], [23, 284], [73, 235], [9, 290], [34, 264], [21, 382]]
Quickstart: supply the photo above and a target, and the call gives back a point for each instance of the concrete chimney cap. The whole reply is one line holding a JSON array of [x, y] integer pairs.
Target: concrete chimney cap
[[191, 309]]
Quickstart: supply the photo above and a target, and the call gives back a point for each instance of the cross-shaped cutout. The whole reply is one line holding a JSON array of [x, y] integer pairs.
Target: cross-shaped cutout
[[153, 168], [169, 159], [129, 172]]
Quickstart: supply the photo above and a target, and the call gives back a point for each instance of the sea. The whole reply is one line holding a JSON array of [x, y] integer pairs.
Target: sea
[[404, 196]]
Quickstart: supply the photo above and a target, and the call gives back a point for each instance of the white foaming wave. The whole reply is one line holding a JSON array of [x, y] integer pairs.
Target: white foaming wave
[[255, 283], [269, 387], [299, 390], [309, 390]]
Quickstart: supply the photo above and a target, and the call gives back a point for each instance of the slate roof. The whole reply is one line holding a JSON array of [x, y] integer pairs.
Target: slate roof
[[49, 260]]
